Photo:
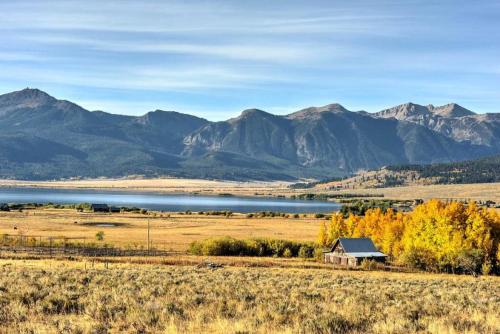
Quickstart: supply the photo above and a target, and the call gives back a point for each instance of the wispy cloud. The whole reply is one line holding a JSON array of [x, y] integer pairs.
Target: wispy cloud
[[260, 51], [222, 55], [145, 78], [212, 17]]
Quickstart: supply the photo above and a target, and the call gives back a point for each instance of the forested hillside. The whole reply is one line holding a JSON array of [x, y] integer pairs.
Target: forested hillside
[[483, 170]]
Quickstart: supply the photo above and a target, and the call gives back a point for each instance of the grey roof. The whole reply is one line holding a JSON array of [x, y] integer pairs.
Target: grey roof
[[353, 245], [358, 247]]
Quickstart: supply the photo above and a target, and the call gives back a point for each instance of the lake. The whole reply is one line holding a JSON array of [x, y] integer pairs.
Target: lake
[[164, 202]]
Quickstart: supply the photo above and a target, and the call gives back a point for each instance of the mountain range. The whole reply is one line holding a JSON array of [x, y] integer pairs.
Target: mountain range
[[42, 137]]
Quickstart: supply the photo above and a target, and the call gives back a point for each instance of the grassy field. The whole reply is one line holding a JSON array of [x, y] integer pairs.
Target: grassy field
[[63, 297], [167, 185], [167, 231], [479, 191]]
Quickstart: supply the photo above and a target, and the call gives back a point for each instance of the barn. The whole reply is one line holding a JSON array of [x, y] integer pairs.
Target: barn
[[352, 251], [99, 207]]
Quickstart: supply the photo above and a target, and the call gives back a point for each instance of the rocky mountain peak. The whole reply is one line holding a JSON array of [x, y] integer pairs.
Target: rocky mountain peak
[[452, 110], [26, 98], [403, 111], [315, 111], [252, 113]]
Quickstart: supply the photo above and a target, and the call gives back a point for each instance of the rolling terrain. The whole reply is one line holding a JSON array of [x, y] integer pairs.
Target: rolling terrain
[[44, 138], [484, 170]]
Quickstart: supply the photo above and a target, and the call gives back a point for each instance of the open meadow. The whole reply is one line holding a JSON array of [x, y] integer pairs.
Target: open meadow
[[48, 296], [474, 192], [168, 231], [164, 185]]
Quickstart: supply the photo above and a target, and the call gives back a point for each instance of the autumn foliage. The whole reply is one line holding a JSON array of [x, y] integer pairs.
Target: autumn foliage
[[436, 236]]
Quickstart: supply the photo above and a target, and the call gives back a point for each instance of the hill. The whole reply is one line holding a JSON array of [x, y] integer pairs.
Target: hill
[[484, 170], [46, 138]]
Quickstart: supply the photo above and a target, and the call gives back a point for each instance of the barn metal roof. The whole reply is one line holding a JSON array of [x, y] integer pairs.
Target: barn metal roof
[[353, 245], [358, 247]]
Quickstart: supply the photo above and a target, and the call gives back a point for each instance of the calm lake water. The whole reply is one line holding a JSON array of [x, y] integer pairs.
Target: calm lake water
[[164, 202]]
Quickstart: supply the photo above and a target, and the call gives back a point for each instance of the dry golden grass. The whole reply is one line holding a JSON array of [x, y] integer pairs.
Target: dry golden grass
[[480, 191], [64, 297], [168, 231], [167, 185]]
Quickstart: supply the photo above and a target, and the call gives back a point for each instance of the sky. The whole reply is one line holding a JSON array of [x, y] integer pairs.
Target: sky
[[216, 58]]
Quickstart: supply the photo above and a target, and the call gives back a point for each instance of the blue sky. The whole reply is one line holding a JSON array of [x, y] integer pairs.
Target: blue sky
[[216, 58]]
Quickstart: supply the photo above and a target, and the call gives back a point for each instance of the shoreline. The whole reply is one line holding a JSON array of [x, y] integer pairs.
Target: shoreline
[[261, 189], [163, 185]]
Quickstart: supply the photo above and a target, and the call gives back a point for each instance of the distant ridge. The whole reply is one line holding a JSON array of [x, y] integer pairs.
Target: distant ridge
[[483, 170], [46, 138]]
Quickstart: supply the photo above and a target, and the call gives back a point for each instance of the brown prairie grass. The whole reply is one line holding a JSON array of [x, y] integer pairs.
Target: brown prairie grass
[[62, 297], [475, 192], [169, 231], [166, 185]]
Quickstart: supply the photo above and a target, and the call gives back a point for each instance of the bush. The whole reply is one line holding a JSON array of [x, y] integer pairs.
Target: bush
[[99, 236], [318, 254], [368, 264], [419, 258], [470, 262], [306, 252], [486, 268], [228, 246]]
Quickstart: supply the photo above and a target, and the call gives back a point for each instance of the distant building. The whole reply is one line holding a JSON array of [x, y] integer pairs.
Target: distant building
[[351, 251], [99, 207], [114, 209]]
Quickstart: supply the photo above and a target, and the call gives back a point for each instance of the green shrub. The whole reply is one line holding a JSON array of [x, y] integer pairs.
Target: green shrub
[[99, 236], [306, 251], [228, 246]]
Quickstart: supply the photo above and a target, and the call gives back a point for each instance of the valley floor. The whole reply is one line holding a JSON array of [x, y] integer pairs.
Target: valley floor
[[168, 231], [49, 296]]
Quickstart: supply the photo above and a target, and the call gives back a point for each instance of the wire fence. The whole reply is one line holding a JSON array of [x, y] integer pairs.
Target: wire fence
[[57, 246]]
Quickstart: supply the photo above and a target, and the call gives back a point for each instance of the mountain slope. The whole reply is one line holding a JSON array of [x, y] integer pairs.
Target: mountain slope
[[329, 138], [484, 170], [45, 138]]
